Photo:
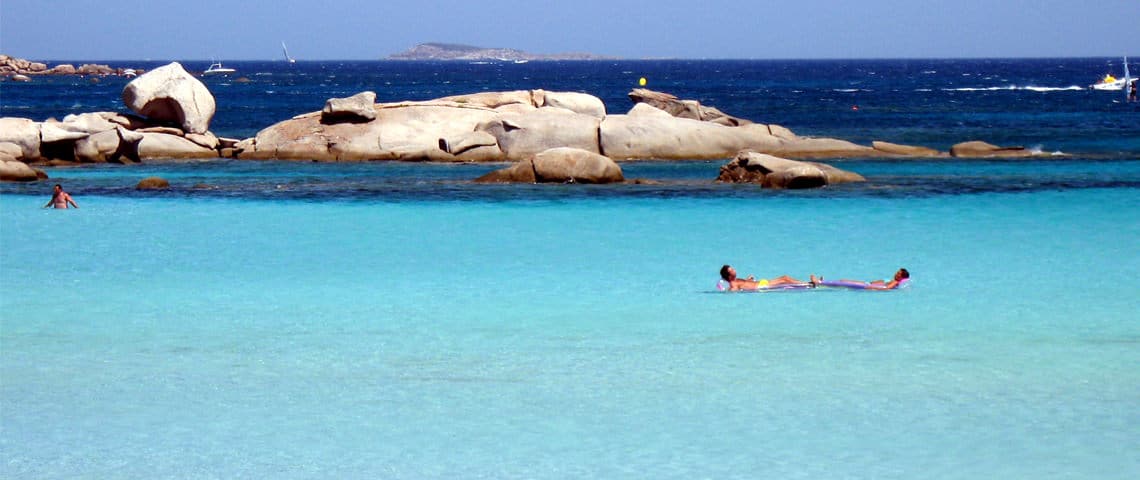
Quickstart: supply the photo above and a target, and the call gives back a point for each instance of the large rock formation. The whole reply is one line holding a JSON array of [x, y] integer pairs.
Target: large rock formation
[[170, 94], [401, 131], [515, 125], [559, 165], [97, 137], [775, 172]]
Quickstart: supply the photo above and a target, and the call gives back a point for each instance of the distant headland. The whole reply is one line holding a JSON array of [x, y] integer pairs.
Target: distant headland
[[452, 51]]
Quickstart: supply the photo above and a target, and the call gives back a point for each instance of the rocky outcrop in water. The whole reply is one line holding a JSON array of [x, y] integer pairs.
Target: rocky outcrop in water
[[774, 172], [174, 112], [513, 126], [979, 149], [559, 165]]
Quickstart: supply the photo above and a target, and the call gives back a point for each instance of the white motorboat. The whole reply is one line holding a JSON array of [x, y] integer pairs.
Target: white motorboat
[[1109, 82], [218, 69], [1112, 83]]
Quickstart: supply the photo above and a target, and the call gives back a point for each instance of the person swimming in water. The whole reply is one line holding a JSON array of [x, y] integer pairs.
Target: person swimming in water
[[751, 283], [60, 198], [901, 276]]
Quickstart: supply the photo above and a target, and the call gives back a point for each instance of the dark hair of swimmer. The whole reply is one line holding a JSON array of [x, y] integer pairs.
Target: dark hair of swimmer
[[905, 274], [724, 273]]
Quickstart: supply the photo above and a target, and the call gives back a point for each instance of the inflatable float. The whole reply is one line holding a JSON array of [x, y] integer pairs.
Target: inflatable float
[[764, 287], [848, 284], [854, 285]]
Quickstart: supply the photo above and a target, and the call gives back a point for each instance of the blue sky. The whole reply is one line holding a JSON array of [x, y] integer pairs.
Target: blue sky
[[374, 29]]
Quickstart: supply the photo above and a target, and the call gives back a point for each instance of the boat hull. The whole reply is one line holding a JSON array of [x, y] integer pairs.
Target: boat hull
[[1109, 86]]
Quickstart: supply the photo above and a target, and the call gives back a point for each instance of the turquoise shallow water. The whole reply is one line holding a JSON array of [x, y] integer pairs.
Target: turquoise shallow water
[[390, 320], [567, 336]]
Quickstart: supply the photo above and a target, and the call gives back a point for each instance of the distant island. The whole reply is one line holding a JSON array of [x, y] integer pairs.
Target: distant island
[[451, 51]]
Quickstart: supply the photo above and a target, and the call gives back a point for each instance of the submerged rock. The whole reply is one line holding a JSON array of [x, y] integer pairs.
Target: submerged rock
[[152, 183]]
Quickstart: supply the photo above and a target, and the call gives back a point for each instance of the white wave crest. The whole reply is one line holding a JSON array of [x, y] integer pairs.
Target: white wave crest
[[1032, 88]]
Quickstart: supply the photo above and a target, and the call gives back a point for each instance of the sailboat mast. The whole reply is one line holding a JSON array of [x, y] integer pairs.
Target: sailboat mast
[[1127, 80]]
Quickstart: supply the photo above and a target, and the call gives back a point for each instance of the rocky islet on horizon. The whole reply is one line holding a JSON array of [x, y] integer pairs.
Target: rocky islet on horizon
[[172, 111], [19, 69], [453, 51]]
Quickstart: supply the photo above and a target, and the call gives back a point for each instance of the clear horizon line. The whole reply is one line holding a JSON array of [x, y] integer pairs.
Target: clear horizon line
[[611, 59]]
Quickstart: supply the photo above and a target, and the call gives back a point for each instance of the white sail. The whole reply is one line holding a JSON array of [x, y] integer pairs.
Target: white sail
[[287, 57], [1127, 80]]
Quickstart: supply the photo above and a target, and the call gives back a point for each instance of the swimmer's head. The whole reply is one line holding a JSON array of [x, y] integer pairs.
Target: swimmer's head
[[727, 273]]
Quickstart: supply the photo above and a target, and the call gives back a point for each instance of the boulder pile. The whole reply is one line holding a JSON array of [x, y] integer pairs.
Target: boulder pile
[[172, 118]]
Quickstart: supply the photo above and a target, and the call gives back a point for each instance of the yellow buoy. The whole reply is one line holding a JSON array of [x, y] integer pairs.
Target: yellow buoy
[[641, 81]]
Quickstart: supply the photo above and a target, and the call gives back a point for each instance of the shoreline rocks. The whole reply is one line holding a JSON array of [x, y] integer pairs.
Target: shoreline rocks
[[174, 109], [19, 69]]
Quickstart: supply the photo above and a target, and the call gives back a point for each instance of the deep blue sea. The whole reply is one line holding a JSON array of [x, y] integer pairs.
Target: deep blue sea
[[395, 320]]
